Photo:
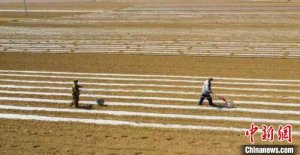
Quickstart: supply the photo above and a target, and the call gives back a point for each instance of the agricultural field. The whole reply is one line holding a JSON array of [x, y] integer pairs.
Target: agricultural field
[[148, 61]]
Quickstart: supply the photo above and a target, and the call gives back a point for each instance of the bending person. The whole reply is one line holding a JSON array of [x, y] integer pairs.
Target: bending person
[[75, 93], [206, 91]]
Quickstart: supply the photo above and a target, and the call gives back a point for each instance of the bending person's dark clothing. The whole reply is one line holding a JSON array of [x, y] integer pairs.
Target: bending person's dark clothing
[[206, 91]]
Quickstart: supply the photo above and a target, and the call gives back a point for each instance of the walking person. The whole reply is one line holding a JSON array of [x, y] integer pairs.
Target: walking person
[[206, 91], [75, 94]]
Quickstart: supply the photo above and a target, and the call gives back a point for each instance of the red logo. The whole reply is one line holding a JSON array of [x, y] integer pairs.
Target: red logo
[[268, 133], [251, 132], [283, 133]]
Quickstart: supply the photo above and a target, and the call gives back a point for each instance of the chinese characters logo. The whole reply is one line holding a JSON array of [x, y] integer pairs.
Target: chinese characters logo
[[268, 133]]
